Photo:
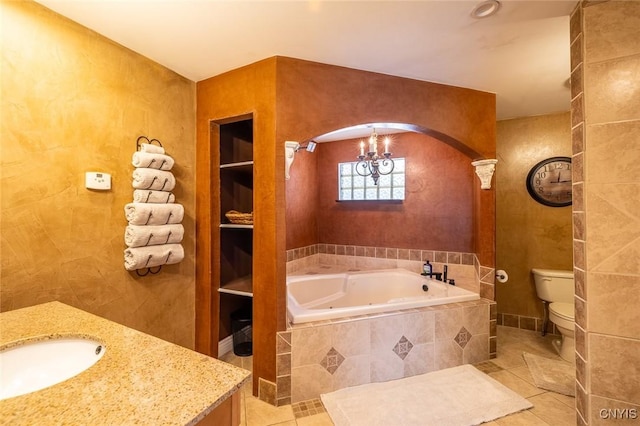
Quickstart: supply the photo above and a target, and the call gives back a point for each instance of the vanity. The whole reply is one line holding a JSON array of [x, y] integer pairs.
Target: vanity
[[139, 379]]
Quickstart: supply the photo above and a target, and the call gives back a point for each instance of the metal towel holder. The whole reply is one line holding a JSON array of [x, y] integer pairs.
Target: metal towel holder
[[139, 142]]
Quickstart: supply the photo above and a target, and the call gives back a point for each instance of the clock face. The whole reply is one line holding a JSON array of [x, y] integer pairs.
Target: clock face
[[549, 182]]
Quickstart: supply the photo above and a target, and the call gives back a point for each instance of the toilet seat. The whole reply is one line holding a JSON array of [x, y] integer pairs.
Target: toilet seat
[[562, 315], [565, 311]]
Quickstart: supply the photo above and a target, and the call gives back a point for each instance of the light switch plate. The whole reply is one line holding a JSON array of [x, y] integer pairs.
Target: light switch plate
[[98, 180]]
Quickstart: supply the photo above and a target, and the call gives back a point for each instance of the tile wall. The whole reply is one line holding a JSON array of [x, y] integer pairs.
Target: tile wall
[[605, 62]]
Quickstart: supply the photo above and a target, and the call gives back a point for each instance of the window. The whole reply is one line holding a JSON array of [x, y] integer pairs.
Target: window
[[353, 187]]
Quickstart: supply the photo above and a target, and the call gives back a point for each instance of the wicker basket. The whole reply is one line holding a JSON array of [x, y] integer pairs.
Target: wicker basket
[[239, 218]]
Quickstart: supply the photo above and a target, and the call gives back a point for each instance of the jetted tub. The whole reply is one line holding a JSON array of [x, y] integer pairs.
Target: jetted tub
[[329, 296]]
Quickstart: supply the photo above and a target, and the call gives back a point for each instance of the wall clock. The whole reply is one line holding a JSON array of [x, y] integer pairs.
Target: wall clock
[[549, 182]]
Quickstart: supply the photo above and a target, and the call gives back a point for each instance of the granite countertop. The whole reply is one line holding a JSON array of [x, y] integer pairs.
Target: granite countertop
[[140, 379]]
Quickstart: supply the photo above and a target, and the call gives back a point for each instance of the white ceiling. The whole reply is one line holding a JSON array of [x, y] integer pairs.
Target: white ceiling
[[521, 53]]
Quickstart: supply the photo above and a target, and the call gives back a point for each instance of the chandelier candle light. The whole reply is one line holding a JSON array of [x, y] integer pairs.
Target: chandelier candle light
[[369, 164]]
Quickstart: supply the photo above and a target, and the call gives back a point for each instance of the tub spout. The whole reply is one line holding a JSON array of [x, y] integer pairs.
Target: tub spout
[[444, 274]]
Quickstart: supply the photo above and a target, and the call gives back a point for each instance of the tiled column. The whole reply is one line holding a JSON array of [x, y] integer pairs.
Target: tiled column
[[605, 58]]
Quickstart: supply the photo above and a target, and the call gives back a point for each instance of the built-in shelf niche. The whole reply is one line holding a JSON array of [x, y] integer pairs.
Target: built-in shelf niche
[[236, 193]]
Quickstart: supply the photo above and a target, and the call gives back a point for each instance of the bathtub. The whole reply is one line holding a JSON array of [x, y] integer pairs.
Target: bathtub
[[330, 296]]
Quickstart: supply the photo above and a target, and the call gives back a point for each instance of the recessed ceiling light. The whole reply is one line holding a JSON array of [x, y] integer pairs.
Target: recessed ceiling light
[[485, 9]]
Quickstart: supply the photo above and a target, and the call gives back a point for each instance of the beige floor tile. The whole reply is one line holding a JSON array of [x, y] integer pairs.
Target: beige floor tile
[[516, 384], [524, 374], [322, 419], [523, 418], [552, 411], [246, 362], [259, 413], [231, 358], [508, 358], [570, 401]]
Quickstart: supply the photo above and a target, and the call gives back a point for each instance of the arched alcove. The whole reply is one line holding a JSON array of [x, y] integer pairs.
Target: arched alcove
[[436, 214]]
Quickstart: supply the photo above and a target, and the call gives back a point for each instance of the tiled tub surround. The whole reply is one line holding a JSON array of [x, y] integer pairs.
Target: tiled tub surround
[[315, 358], [464, 268], [318, 357]]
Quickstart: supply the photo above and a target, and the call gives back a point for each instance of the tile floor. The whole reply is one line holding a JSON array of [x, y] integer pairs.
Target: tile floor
[[509, 368]]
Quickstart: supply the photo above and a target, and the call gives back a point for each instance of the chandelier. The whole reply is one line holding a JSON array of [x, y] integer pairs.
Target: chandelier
[[370, 163]]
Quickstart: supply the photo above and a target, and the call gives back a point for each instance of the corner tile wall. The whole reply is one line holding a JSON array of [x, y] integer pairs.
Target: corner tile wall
[[605, 61], [73, 101], [529, 234]]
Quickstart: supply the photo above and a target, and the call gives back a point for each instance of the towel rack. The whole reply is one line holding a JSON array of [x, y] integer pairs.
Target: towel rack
[[147, 271], [149, 141], [139, 143], [154, 269]]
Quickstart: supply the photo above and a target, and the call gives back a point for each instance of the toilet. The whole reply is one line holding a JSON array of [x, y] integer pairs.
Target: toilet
[[556, 289]]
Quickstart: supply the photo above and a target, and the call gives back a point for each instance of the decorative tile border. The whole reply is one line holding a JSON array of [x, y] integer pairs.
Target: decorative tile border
[[525, 323], [454, 258]]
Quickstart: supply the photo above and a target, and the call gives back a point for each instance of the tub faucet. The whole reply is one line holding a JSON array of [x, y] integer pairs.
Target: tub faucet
[[444, 274]]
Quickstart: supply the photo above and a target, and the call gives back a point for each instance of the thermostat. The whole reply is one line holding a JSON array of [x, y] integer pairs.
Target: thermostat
[[98, 180]]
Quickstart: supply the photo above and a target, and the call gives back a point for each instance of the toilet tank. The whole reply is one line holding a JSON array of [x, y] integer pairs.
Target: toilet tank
[[554, 285]]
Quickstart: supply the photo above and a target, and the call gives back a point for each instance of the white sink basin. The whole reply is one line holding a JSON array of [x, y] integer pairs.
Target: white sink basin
[[37, 365]]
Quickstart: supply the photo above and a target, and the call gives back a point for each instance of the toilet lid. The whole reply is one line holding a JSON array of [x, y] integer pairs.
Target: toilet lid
[[563, 310]]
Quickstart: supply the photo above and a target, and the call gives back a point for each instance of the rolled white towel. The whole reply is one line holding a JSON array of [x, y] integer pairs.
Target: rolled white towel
[[150, 196], [140, 236], [159, 180], [149, 257], [152, 160], [153, 214], [148, 147]]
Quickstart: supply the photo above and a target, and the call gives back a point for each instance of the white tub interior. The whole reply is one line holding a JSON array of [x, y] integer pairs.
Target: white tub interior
[[337, 295]]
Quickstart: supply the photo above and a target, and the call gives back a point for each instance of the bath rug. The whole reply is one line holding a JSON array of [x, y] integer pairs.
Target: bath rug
[[550, 374], [458, 396]]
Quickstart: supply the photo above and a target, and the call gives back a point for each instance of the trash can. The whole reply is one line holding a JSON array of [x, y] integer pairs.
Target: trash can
[[242, 330]]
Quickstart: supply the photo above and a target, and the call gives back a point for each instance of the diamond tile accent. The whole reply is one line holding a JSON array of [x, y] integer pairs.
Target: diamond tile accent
[[403, 347], [332, 360], [462, 338]]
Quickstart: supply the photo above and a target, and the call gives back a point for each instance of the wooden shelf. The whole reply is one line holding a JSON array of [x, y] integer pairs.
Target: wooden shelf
[[242, 287], [235, 225], [243, 165]]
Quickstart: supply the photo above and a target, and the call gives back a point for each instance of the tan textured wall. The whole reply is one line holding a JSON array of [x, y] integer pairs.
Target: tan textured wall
[[528, 234], [319, 98], [73, 101], [437, 212], [605, 62]]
